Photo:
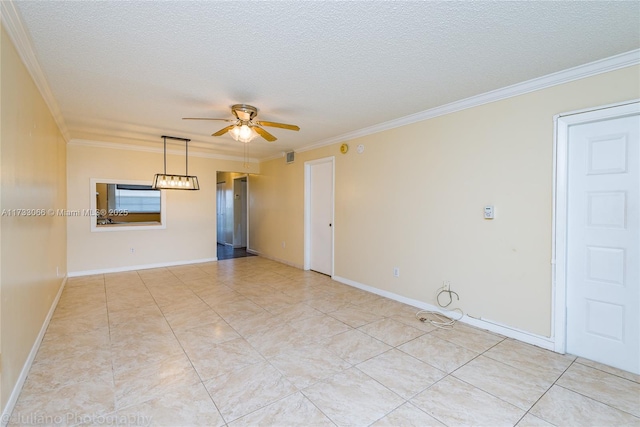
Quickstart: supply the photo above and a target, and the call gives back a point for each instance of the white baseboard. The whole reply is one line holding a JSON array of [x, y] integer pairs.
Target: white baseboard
[[507, 331], [15, 393], [139, 267], [272, 258]]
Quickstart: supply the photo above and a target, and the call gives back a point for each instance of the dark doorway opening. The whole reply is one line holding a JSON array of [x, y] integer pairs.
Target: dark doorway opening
[[229, 252]]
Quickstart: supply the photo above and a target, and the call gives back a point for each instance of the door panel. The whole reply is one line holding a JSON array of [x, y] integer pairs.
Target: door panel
[[321, 217], [603, 250]]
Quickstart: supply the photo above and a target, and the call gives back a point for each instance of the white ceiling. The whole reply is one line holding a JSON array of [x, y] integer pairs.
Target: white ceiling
[[127, 72]]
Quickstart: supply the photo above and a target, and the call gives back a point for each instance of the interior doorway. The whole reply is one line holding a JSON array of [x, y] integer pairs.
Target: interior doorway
[[221, 209], [232, 215], [240, 212]]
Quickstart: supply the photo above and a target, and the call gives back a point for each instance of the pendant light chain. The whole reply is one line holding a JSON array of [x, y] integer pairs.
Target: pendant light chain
[[165, 154]]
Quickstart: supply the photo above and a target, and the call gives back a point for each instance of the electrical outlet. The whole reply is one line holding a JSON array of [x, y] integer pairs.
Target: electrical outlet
[[396, 271], [284, 244], [133, 250]]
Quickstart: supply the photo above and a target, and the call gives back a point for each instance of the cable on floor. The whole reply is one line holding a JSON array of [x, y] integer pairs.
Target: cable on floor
[[438, 319]]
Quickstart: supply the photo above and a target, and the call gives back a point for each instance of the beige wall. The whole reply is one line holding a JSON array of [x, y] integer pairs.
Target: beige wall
[[33, 164], [276, 208], [415, 197], [190, 233]]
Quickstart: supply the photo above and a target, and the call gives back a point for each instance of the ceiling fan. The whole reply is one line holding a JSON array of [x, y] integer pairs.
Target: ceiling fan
[[245, 127]]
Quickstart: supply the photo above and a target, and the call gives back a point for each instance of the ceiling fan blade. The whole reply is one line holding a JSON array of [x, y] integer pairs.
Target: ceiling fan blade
[[205, 118], [263, 133], [223, 131], [278, 125]]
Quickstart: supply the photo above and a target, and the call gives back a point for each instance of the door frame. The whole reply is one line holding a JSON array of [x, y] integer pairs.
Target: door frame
[[562, 122], [307, 209], [218, 206]]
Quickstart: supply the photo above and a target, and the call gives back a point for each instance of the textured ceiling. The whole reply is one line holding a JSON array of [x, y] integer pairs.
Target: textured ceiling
[[127, 72]]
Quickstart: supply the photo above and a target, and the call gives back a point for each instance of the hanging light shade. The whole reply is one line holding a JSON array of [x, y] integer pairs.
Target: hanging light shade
[[165, 181], [243, 133]]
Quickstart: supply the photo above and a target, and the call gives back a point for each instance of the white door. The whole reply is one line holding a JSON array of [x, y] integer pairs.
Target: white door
[[603, 254], [320, 216], [221, 207]]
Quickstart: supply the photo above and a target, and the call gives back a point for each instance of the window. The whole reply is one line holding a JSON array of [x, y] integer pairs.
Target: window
[[136, 198], [126, 205]]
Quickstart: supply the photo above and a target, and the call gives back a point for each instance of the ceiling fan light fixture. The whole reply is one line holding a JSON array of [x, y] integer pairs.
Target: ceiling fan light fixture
[[243, 133]]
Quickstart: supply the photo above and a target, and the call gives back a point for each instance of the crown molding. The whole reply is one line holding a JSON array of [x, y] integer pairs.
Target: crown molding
[[21, 40], [144, 149], [590, 69]]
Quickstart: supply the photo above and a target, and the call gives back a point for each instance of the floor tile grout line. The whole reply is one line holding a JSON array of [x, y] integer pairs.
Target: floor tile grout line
[[113, 373], [451, 374], [405, 400], [244, 338], [115, 410], [187, 355], [324, 380], [112, 364], [591, 398], [516, 367], [267, 360], [470, 349], [264, 406], [606, 372], [487, 392], [596, 400], [316, 406], [351, 366], [547, 391], [155, 302], [446, 374], [431, 415]]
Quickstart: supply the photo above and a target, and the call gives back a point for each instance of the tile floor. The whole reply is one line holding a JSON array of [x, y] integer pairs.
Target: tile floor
[[251, 342]]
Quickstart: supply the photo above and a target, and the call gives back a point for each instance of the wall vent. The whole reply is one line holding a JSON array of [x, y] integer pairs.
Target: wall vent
[[290, 156]]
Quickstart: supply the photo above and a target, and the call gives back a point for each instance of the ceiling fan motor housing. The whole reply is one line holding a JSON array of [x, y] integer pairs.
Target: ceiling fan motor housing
[[244, 112]]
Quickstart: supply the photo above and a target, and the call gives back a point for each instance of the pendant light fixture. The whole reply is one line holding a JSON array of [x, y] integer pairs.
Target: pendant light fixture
[[164, 181]]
